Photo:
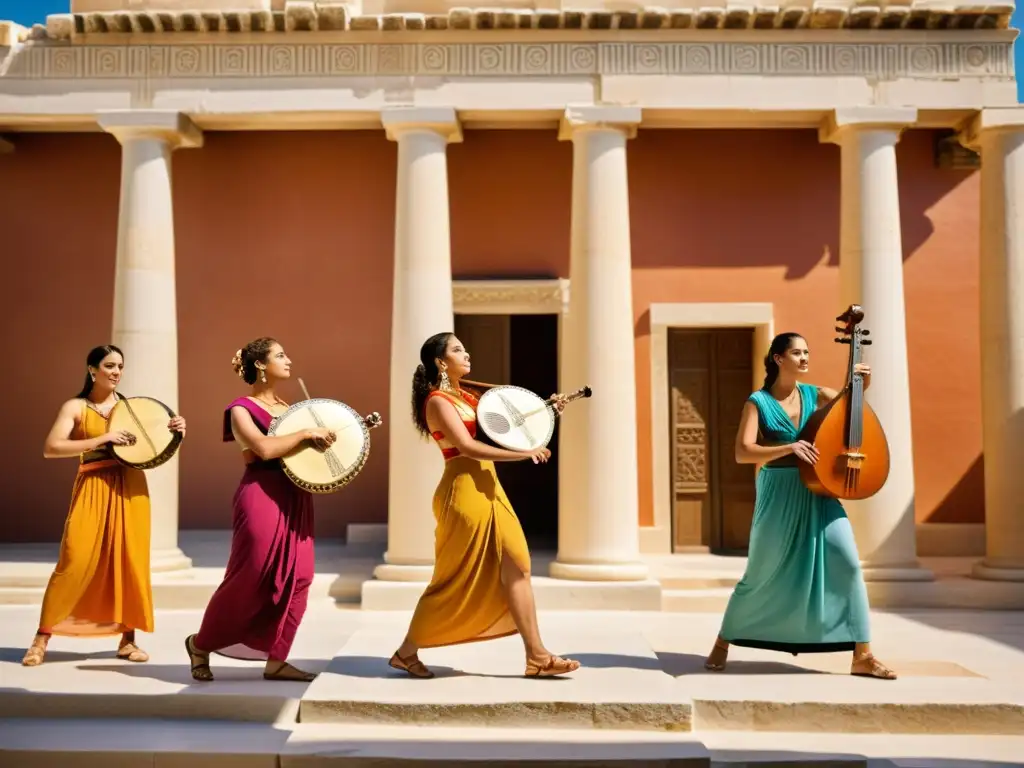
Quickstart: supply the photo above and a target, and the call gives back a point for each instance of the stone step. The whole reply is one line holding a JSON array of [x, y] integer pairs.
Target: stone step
[[551, 595], [101, 743], [621, 685]]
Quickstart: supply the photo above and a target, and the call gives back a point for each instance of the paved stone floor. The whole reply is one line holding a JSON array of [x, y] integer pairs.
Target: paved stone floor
[[642, 697]]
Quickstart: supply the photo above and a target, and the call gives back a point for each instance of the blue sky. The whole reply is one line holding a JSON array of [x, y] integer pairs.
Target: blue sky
[[28, 12]]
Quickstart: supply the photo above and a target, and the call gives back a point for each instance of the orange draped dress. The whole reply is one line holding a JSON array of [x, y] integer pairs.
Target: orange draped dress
[[101, 585], [476, 528]]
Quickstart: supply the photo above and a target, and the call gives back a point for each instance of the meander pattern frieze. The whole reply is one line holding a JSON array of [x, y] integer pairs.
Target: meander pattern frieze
[[882, 60]]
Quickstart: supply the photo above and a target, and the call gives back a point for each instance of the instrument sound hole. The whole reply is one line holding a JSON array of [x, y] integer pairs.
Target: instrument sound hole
[[497, 423]]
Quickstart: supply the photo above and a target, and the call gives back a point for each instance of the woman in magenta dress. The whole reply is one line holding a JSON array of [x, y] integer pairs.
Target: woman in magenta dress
[[256, 611]]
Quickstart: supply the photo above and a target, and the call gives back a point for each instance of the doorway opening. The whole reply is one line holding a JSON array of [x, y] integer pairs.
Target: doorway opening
[[521, 350], [710, 371]]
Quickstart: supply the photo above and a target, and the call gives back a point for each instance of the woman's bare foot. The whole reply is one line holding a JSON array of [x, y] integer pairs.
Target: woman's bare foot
[[129, 651], [866, 665], [549, 665], [718, 657], [282, 670], [37, 651]]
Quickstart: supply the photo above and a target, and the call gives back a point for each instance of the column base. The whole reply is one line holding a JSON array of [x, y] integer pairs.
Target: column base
[[636, 571], [998, 569], [399, 572], [902, 572], [164, 560]]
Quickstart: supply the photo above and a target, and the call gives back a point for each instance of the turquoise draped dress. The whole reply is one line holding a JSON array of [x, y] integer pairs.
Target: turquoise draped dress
[[803, 591]]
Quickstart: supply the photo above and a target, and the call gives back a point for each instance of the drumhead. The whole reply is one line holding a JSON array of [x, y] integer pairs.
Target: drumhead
[[515, 418], [324, 471], [146, 418]]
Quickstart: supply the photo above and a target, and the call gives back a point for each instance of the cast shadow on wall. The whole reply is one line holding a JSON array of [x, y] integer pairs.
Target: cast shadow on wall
[[765, 198]]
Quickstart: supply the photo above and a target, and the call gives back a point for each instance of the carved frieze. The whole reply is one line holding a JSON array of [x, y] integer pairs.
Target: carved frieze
[[883, 61]]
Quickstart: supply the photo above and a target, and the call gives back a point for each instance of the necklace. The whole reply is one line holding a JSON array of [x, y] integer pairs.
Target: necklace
[[277, 401]]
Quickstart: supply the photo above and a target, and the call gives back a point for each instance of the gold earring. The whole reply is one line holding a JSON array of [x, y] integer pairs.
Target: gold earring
[[445, 385], [263, 375], [92, 376]]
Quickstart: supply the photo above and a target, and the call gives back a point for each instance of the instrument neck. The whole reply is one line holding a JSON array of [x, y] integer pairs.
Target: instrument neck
[[855, 422]]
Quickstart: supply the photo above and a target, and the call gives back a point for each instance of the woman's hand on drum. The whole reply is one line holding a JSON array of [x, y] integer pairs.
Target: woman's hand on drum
[[539, 456], [805, 451], [120, 437], [321, 437], [177, 424]]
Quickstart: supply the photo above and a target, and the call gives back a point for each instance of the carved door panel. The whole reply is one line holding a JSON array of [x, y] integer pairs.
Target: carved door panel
[[690, 385], [709, 378], [487, 339]]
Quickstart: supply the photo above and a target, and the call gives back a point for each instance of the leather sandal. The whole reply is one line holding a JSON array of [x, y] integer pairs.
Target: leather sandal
[[288, 673], [712, 666], [132, 652], [34, 656], [200, 661], [554, 665], [868, 666], [410, 665]]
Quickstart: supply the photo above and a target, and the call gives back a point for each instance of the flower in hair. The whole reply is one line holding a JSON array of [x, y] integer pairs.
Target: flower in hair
[[236, 363]]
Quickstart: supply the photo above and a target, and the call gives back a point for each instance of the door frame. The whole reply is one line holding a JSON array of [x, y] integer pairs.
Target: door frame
[[657, 539]]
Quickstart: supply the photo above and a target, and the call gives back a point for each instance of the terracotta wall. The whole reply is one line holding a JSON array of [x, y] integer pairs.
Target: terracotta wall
[[290, 234]]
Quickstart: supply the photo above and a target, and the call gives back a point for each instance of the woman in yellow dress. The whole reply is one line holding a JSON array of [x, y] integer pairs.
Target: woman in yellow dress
[[480, 588], [101, 585]]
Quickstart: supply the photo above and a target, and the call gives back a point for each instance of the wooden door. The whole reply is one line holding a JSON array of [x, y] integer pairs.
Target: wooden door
[[710, 376], [486, 338]]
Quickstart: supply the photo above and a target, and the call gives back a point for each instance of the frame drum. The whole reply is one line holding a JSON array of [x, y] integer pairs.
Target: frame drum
[[324, 471], [515, 418], [146, 418]]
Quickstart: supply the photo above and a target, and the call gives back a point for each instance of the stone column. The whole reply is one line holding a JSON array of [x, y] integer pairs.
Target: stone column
[[421, 307], [598, 516], [871, 274], [145, 309], [999, 135]]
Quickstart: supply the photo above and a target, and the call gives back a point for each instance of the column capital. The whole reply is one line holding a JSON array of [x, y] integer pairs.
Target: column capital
[[599, 117], [176, 128], [840, 122], [440, 120], [993, 120], [6, 147]]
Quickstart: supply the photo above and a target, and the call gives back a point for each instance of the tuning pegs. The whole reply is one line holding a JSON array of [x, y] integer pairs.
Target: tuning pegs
[[842, 341], [866, 342], [840, 329], [865, 333]]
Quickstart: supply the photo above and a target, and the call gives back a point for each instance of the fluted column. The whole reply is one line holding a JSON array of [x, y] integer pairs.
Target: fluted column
[[999, 136], [598, 516], [145, 308], [421, 307], [871, 274]]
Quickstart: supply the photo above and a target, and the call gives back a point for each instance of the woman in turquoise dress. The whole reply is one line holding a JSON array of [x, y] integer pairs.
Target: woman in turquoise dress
[[803, 591]]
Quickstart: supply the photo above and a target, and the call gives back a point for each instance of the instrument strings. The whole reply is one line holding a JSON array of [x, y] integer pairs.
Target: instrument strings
[[138, 423], [333, 462]]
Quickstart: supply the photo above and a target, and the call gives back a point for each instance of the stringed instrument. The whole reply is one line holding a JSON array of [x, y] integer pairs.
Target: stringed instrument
[[325, 471], [853, 453], [515, 418]]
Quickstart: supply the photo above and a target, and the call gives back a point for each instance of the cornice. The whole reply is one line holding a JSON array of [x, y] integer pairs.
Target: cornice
[[307, 16]]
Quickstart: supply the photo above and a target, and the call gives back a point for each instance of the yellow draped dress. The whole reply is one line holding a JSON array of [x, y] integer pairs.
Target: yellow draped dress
[[476, 528], [101, 583]]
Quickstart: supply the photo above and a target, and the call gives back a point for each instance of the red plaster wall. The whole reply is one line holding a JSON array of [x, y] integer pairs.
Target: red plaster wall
[[290, 234]]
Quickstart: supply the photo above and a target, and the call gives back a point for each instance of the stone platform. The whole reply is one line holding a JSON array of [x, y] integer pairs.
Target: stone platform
[[344, 573]]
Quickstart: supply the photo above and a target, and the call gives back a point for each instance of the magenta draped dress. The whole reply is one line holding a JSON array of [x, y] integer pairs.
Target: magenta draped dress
[[256, 610]]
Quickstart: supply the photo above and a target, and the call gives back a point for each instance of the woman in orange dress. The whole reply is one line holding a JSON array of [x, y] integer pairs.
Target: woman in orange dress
[[101, 584], [480, 588]]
